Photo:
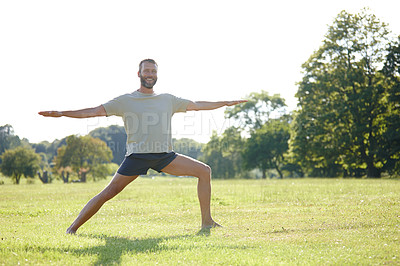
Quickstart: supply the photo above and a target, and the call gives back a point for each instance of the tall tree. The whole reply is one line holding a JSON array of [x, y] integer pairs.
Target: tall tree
[[343, 100], [18, 162], [7, 138], [84, 155], [391, 71]]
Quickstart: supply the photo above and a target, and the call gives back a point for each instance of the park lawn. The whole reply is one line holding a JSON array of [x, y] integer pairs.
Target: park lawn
[[157, 221]]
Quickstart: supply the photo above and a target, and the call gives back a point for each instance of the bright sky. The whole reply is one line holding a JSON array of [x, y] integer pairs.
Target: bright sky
[[65, 55]]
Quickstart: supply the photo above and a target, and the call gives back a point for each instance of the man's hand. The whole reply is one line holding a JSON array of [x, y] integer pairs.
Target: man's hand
[[82, 113], [230, 103], [51, 113]]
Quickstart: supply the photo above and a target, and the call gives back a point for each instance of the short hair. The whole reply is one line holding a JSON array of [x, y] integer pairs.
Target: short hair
[[148, 61]]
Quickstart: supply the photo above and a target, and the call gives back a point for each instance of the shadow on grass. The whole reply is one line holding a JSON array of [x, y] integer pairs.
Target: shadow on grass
[[115, 247], [204, 232]]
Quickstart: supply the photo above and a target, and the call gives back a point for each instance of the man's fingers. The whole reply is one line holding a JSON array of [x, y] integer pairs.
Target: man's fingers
[[236, 102], [45, 113]]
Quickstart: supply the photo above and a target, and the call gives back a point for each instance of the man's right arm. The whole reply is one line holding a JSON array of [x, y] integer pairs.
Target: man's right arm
[[83, 113]]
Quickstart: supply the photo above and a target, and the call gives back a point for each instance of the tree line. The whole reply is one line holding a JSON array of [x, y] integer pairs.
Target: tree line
[[73, 158], [346, 124]]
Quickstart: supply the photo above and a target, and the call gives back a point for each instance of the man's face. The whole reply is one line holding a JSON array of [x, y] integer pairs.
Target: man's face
[[148, 75]]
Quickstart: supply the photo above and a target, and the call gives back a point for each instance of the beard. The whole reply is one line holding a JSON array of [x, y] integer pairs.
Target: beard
[[147, 84]]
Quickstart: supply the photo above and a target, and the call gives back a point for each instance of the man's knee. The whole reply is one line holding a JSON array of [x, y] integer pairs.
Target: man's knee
[[206, 171]]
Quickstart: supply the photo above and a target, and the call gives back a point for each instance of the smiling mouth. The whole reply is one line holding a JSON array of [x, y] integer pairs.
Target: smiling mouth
[[148, 82]]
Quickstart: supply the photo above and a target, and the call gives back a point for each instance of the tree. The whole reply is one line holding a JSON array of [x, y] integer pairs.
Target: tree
[[50, 149], [18, 162], [212, 155], [264, 118], [343, 100], [7, 138], [231, 144], [267, 145], [115, 138], [44, 173], [391, 71], [222, 154], [260, 107], [84, 155]]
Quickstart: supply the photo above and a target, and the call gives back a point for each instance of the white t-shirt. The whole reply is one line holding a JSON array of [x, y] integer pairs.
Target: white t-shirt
[[147, 120]]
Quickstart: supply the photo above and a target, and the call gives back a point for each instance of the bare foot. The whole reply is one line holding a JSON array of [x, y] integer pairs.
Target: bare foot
[[70, 231], [210, 225]]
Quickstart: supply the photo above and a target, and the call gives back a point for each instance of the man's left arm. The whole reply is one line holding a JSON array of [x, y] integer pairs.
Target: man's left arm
[[201, 105]]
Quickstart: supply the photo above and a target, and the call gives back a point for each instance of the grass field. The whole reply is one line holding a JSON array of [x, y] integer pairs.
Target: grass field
[[157, 221]]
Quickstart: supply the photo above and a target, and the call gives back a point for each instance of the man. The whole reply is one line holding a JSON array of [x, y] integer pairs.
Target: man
[[147, 121]]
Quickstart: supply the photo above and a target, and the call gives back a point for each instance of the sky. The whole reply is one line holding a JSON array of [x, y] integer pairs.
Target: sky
[[67, 55]]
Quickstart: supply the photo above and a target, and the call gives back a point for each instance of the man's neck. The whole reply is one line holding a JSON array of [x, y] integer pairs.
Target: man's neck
[[145, 90]]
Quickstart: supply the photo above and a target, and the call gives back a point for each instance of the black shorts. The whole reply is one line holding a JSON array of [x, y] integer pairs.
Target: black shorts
[[139, 163]]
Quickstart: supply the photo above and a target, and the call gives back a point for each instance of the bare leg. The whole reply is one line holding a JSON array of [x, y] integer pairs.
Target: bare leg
[[183, 165], [117, 184]]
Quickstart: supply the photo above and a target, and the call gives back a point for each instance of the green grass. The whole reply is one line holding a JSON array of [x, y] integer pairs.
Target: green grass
[[157, 221]]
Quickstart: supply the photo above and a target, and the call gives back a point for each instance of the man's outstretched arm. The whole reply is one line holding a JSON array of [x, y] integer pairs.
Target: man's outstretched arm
[[83, 113], [197, 106]]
